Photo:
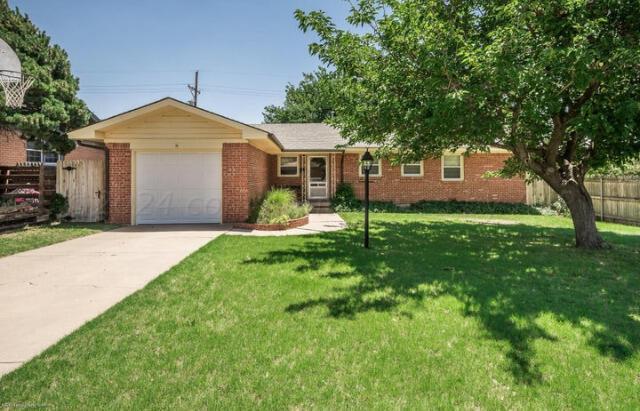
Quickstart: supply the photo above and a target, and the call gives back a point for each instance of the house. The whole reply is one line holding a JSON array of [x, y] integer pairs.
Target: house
[[170, 162], [15, 148]]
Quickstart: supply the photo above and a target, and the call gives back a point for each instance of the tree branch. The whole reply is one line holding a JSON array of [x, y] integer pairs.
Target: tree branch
[[555, 141], [561, 119], [575, 107]]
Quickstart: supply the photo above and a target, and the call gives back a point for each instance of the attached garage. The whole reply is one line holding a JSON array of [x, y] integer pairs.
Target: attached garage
[[178, 188], [171, 163]]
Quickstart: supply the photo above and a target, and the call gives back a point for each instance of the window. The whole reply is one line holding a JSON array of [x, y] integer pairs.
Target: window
[[288, 166], [452, 167], [376, 168], [35, 154], [411, 169]]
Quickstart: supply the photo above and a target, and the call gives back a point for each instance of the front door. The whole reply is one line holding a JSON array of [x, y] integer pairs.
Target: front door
[[317, 177]]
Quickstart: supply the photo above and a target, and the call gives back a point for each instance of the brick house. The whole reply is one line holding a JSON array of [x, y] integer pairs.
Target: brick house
[[169, 162], [15, 148]]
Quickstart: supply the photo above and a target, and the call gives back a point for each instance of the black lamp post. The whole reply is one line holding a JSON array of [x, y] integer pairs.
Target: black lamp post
[[367, 162]]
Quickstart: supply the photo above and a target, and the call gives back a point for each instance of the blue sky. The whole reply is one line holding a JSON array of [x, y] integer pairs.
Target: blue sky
[[128, 53]]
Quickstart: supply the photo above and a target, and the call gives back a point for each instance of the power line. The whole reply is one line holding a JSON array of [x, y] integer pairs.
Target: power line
[[239, 73], [100, 87], [153, 91]]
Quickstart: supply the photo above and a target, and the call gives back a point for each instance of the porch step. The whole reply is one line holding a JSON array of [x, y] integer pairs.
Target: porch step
[[321, 207], [322, 210], [320, 203]]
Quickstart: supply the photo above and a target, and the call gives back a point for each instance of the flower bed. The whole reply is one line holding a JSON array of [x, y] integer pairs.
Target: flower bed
[[298, 222]]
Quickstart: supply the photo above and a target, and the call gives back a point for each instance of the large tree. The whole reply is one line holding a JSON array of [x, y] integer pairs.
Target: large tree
[[51, 107], [311, 101], [555, 82]]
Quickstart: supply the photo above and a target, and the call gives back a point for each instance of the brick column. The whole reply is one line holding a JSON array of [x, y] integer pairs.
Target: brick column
[[119, 183], [235, 182]]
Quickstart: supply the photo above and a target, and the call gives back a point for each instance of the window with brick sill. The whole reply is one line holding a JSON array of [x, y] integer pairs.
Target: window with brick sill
[[37, 155], [288, 166], [411, 169], [452, 167]]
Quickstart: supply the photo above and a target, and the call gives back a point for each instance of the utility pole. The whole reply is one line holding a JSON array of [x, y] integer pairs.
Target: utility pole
[[195, 90]]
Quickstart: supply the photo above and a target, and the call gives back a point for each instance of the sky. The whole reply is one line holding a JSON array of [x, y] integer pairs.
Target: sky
[[129, 53]]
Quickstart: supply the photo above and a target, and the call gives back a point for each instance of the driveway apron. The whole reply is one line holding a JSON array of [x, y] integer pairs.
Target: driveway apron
[[49, 292]]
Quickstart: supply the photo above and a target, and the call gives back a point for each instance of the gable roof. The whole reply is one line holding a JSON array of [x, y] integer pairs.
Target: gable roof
[[307, 136], [92, 131]]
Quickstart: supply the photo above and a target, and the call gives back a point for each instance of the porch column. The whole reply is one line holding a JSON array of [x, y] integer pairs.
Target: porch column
[[332, 180], [303, 177]]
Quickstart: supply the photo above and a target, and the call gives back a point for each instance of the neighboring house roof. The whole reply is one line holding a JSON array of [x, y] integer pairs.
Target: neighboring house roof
[[307, 136]]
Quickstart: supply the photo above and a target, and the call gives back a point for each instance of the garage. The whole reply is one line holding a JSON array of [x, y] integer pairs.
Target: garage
[[178, 188]]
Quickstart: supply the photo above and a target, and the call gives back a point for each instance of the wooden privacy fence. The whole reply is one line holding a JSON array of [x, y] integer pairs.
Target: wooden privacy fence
[[25, 192], [27, 181], [83, 183], [614, 198]]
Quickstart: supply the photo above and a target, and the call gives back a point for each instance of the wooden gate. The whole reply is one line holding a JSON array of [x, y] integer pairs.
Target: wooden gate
[[83, 183]]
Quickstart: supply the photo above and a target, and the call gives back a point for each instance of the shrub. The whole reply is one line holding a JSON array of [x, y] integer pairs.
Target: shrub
[[384, 207], [278, 207], [58, 205], [345, 199], [472, 207]]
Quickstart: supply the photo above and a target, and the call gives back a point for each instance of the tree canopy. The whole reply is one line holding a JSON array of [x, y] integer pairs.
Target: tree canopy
[[311, 101], [555, 82], [51, 107]]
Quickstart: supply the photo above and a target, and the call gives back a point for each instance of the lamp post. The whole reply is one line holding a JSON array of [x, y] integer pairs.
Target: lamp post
[[367, 162]]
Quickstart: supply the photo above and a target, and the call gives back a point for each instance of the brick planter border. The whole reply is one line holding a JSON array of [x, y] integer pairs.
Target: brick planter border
[[298, 222]]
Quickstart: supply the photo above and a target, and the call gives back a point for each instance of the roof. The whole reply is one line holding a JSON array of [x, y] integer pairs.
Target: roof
[[95, 130], [307, 136]]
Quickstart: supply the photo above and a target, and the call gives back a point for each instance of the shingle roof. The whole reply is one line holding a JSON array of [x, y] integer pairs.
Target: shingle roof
[[306, 136]]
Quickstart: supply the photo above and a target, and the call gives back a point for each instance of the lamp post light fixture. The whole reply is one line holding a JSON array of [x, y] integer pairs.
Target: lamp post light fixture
[[367, 162]]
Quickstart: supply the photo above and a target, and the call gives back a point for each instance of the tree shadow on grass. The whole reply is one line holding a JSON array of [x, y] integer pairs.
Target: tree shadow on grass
[[506, 276]]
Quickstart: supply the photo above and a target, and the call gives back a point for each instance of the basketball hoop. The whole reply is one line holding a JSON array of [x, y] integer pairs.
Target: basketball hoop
[[15, 85], [13, 81]]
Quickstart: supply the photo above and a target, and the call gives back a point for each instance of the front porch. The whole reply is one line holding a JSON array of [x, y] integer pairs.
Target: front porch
[[313, 176]]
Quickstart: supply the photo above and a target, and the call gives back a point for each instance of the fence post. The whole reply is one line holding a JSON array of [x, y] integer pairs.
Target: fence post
[[601, 198], [41, 186]]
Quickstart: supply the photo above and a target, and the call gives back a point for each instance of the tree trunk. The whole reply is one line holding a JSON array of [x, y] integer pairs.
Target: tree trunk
[[583, 215]]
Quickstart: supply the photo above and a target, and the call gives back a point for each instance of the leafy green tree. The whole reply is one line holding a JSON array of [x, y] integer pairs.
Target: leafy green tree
[[555, 82], [51, 107], [311, 101]]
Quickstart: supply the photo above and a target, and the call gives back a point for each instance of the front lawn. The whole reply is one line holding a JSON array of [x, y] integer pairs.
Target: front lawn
[[42, 235], [472, 312]]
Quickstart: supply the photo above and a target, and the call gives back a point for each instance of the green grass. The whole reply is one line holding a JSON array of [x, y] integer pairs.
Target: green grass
[[442, 312], [39, 236]]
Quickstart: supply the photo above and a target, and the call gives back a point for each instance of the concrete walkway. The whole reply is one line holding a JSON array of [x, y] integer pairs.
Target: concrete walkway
[[47, 293], [318, 223]]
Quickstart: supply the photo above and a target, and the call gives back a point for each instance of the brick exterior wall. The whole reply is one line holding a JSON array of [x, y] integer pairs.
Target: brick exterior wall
[[235, 182], [391, 186], [259, 175], [247, 173], [13, 149], [85, 153], [119, 204]]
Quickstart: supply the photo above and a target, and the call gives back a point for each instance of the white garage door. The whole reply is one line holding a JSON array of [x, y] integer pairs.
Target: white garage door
[[178, 188]]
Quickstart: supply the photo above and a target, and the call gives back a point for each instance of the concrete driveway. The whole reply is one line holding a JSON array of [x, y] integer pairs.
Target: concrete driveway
[[47, 293]]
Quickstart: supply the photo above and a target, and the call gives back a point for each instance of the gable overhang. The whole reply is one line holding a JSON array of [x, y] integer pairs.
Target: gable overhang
[[104, 131]]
